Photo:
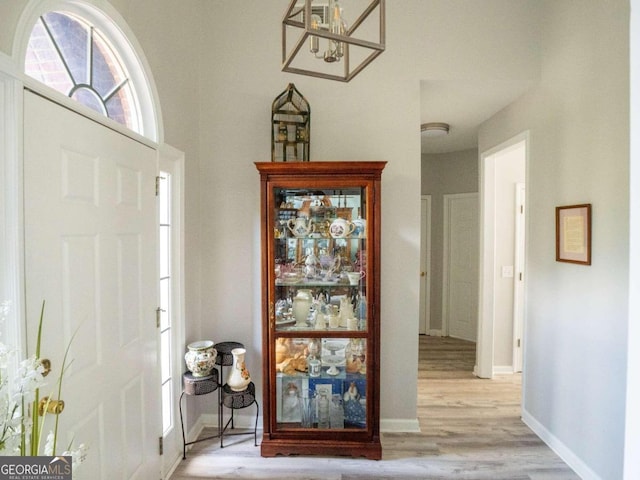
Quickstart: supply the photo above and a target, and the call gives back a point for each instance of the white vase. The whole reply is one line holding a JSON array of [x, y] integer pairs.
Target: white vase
[[201, 358], [301, 306], [239, 377]]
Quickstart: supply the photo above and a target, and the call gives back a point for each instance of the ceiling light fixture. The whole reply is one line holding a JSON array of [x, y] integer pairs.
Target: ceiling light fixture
[[334, 52], [434, 129]]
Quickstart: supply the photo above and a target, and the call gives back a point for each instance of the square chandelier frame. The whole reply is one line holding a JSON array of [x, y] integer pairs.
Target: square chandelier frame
[[289, 22]]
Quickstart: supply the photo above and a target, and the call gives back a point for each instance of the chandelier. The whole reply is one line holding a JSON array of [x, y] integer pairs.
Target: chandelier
[[333, 50]]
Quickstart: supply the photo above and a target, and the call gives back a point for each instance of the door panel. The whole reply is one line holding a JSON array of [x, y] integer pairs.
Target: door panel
[[461, 265], [90, 253]]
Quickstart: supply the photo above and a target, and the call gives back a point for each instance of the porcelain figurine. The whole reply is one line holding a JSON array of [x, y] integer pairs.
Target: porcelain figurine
[[310, 264], [346, 311]]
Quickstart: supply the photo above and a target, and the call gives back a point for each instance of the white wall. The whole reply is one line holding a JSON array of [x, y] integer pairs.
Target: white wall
[[577, 316], [632, 432]]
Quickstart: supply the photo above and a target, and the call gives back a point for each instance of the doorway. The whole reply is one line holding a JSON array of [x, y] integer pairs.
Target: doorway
[[501, 173], [502, 259]]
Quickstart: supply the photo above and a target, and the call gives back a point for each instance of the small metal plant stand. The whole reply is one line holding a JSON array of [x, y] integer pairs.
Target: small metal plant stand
[[226, 397]]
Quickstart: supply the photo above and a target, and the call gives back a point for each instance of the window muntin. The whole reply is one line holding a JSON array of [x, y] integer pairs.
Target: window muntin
[[75, 58]]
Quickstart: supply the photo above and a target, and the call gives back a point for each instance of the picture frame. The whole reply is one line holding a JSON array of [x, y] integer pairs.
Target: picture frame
[[573, 234]]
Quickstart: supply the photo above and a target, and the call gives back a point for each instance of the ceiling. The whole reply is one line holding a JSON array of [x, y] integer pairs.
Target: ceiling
[[464, 105]]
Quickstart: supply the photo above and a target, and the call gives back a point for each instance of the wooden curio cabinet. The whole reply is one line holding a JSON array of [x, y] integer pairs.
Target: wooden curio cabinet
[[321, 308]]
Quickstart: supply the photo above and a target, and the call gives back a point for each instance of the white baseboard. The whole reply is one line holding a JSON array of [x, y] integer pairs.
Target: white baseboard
[[497, 370], [175, 464], [560, 448], [241, 419], [389, 425], [503, 369], [434, 333], [196, 430], [399, 425]]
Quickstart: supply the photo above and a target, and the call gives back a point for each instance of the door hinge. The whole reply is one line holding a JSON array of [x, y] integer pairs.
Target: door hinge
[[518, 343], [520, 276], [521, 208], [158, 178], [158, 315], [161, 445]]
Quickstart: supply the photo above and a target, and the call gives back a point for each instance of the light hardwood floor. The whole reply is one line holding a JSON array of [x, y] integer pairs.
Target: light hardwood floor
[[470, 430]]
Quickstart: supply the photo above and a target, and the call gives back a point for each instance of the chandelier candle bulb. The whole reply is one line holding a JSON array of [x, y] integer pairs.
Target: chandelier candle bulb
[[314, 43]]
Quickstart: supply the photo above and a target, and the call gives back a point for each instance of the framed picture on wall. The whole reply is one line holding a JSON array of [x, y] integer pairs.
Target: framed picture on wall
[[573, 234]]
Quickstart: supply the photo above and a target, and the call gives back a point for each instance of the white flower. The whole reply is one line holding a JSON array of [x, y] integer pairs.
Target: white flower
[[48, 447], [29, 379], [4, 309], [78, 455], [19, 435], [4, 357]]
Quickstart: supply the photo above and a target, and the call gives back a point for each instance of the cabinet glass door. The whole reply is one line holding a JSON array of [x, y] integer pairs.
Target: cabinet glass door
[[319, 296]]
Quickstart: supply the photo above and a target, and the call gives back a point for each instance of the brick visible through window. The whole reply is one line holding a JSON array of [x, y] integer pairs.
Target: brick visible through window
[[72, 56]]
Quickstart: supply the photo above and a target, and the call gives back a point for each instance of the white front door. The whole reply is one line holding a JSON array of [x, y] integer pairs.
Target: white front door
[[460, 286], [90, 253]]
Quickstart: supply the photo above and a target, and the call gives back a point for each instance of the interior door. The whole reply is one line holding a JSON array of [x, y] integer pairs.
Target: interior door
[[90, 253], [461, 249], [425, 265], [519, 278]]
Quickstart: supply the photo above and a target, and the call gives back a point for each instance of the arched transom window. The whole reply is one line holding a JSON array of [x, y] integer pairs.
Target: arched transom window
[[74, 57]]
